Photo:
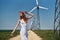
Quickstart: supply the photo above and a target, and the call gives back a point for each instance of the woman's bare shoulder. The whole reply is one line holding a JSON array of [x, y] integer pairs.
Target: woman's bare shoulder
[[19, 20]]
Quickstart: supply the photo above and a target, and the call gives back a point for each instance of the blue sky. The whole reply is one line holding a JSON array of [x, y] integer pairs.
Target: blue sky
[[9, 12]]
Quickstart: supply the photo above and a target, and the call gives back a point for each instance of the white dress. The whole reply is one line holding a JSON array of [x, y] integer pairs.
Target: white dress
[[23, 32]]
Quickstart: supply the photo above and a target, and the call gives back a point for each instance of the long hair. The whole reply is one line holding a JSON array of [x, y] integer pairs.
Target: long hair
[[24, 17]]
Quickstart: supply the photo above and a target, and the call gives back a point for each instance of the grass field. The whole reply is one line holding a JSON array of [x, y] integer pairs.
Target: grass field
[[45, 34], [5, 34]]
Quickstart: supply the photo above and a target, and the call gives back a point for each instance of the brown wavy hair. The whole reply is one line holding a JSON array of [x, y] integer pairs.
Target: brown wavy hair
[[23, 17]]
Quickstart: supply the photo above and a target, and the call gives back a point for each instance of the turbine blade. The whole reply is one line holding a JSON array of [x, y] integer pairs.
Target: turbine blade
[[33, 9], [37, 2], [43, 7]]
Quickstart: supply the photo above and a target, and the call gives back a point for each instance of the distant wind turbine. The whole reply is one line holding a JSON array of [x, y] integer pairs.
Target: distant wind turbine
[[37, 7]]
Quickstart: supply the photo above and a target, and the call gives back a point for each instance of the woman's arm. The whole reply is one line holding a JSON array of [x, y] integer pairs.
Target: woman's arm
[[15, 27], [31, 15]]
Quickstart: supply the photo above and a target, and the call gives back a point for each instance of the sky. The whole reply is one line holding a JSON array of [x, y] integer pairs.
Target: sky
[[9, 12]]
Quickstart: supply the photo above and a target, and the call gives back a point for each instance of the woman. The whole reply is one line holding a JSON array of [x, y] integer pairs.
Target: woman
[[23, 20]]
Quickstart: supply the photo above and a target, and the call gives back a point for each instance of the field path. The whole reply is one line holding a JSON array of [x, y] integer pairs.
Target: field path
[[31, 36]]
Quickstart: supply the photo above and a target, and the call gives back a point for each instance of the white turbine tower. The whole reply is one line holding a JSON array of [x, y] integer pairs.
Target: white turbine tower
[[38, 17]]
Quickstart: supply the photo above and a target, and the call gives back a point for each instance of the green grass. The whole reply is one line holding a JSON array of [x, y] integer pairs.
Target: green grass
[[45, 34], [5, 34]]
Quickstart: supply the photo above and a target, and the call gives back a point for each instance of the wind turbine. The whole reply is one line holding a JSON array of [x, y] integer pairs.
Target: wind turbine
[[38, 7]]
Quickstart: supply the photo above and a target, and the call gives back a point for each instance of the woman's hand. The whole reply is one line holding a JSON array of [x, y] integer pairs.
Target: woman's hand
[[11, 34], [31, 15], [15, 28], [26, 12]]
